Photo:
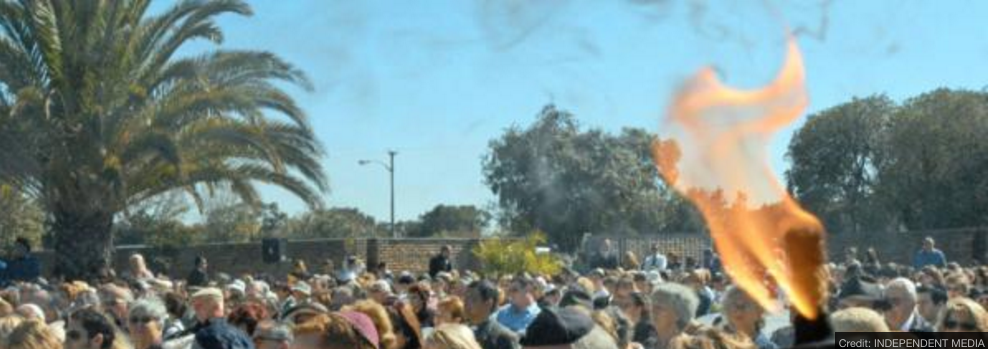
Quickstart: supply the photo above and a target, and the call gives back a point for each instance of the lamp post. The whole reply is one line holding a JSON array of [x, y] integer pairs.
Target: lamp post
[[390, 166]]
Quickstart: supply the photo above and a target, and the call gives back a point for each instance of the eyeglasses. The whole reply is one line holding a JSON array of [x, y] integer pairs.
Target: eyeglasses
[[954, 325], [73, 335], [141, 320]]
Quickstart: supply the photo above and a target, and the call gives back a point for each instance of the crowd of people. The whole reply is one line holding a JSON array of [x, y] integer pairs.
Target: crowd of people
[[616, 303]]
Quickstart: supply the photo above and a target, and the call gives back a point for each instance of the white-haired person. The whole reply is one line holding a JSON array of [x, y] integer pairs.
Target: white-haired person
[[673, 309], [745, 317], [857, 319], [146, 322], [903, 313]]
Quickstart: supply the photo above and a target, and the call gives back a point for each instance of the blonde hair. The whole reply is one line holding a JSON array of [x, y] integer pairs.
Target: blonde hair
[[335, 328], [382, 321], [452, 336], [858, 320], [968, 306], [7, 326], [5, 308], [454, 306], [32, 334]]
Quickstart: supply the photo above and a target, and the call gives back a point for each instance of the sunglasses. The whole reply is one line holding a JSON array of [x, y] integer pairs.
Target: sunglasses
[[73, 335], [141, 320], [954, 325]]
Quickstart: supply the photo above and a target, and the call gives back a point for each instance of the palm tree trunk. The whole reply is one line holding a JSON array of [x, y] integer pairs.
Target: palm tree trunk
[[83, 244]]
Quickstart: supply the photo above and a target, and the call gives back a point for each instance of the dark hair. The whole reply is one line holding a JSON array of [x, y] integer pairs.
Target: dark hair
[[406, 323], [937, 295], [643, 301], [95, 322], [200, 260], [524, 281], [174, 304], [248, 315], [23, 242], [487, 292]]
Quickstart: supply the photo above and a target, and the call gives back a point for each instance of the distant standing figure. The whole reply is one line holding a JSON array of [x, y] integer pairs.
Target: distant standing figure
[[440, 262], [655, 260], [199, 276], [606, 257], [929, 255], [24, 266]]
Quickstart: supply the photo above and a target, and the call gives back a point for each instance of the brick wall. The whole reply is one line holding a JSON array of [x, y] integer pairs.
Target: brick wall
[[236, 259]]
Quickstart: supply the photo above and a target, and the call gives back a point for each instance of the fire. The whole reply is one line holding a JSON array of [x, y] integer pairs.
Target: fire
[[717, 158]]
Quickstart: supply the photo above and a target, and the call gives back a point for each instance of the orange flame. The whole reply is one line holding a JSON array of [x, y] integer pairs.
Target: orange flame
[[717, 158]]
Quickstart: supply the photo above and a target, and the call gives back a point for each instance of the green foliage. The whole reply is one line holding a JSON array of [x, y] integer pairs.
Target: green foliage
[[835, 160], [554, 177], [98, 113], [872, 164], [512, 256], [334, 223], [451, 221], [19, 217]]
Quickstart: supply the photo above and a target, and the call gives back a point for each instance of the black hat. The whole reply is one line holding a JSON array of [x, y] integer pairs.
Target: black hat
[[557, 326], [576, 296], [860, 288]]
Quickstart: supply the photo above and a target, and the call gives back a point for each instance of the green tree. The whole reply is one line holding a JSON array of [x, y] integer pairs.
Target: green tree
[[936, 158], [510, 257], [554, 177], [334, 223], [98, 113], [835, 160], [20, 216], [452, 221]]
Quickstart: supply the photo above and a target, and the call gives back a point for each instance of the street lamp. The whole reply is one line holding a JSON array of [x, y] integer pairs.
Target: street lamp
[[390, 166]]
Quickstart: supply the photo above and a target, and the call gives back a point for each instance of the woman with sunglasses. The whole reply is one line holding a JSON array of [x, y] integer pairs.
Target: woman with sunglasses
[[637, 308], [745, 317], [963, 315], [145, 322]]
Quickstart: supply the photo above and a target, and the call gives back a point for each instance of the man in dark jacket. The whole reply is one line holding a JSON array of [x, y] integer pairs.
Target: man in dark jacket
[[440, 263], [24, 266], [480, 302], [211, 329], [199, 277]]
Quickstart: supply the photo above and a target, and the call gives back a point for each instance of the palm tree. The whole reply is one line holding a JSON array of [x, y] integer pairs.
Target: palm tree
[[98, 113]]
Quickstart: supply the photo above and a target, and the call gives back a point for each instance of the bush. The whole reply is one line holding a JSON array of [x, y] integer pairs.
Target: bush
[[506, 257]]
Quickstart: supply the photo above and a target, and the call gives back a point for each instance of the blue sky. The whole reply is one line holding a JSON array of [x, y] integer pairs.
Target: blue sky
[[436, 80]]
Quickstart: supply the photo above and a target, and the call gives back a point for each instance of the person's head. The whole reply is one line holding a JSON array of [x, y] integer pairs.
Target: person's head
[[89, 329], [246, 316], [605, 246], [900, 293], [137, 263], [31, 334], [624, 287], [654, 249], [271, 334], [201, 263], [963, 315], [673, 308], [31, 312], [521, 291], [957, 285], [711, 338], [207, 303], [380, 291], [22, 247], [481, 301], [930, 300], [418, 297], [928, 244], [450, 311], [335, 331], [379, 317], [858, 319], [116, 300], [743, 313], [146, 322], [566, 328], [407, 328], [452, 336], [637, 307], [446, 251]]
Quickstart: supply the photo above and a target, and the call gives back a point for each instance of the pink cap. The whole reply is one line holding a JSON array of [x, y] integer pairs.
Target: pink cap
[[363, 324]]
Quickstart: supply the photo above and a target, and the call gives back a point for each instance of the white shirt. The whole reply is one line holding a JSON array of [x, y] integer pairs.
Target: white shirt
[[655, 262]]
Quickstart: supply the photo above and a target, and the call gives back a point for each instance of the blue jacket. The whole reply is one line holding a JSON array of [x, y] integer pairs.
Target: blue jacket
[[22, 269], [934, 258]]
